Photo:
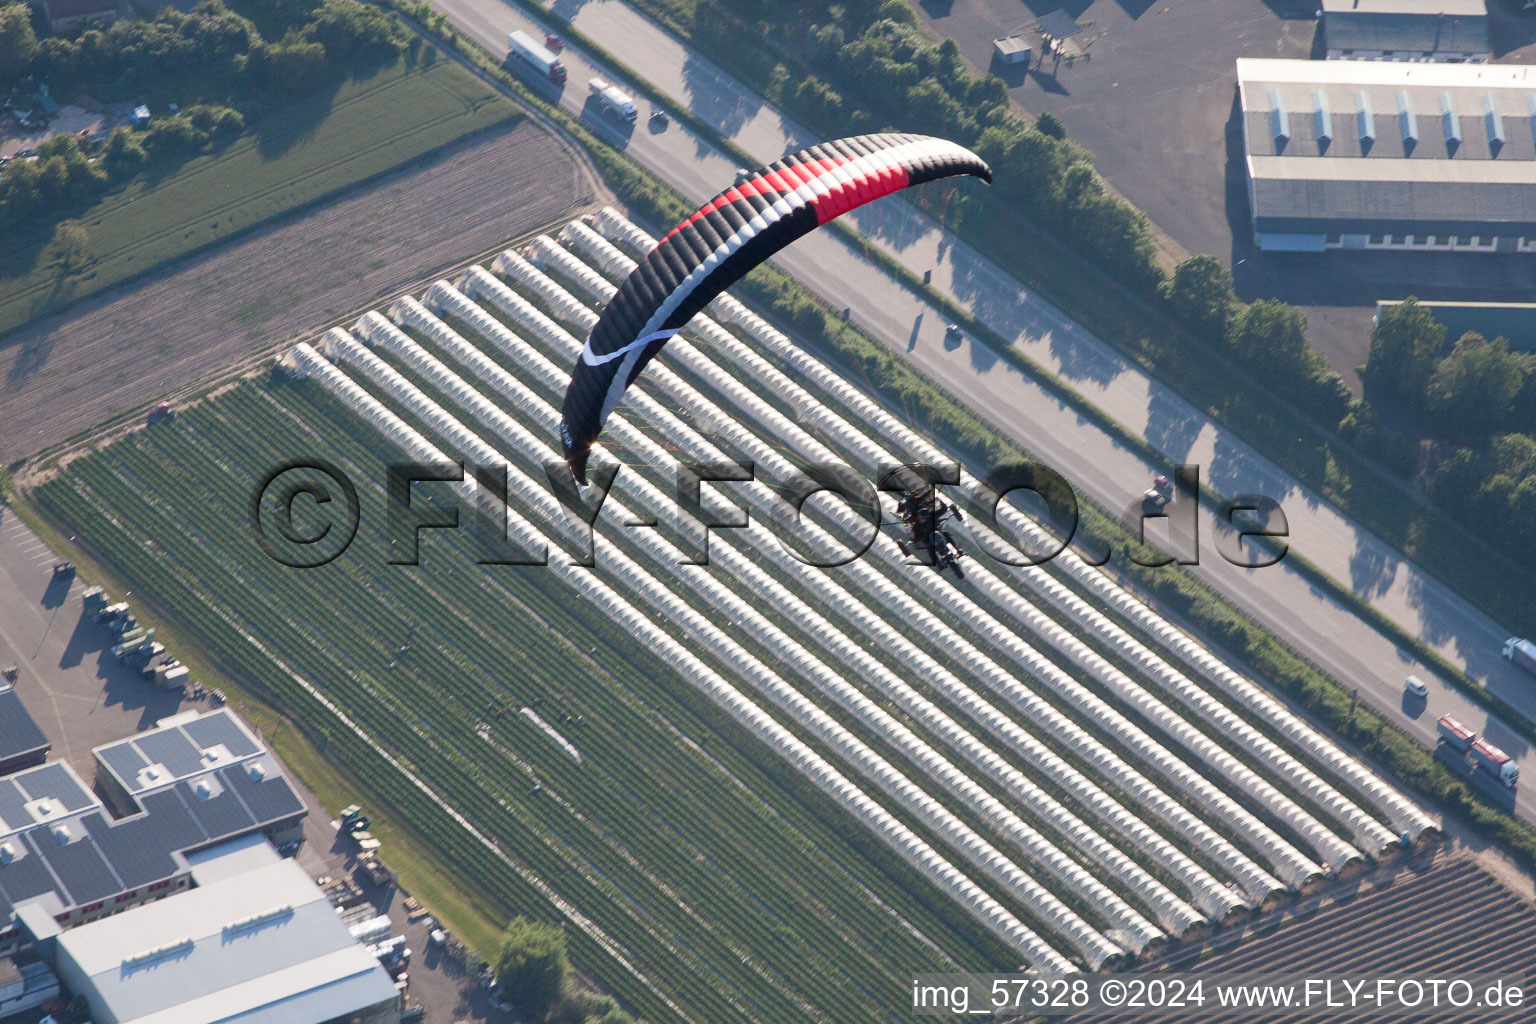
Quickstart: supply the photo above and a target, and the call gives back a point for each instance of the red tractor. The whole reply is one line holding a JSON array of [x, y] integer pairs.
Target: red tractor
[[554, 42], [160, 411]]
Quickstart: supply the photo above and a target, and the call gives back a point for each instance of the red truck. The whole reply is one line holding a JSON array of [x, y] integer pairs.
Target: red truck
[[522, 47], [1481, 755]]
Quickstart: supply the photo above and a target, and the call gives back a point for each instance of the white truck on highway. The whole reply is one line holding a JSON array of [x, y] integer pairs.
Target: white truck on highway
[[522, 47], [614, 98], [1495, 762], [1522, 652]]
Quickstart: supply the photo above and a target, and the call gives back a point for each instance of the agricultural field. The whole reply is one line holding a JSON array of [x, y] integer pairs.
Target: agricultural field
[[314, 147], [193, 320], [753, 790], [1416, 924]]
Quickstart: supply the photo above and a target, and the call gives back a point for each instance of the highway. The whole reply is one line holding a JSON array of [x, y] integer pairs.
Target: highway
[[1349, 648]]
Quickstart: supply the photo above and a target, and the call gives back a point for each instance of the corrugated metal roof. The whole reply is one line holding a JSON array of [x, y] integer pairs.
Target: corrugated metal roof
[[1420, 148], [1407, 33], [326, 988], [1385, 72], [234, 946]]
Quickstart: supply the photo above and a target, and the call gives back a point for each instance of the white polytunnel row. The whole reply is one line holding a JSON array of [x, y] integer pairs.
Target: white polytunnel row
[[1109, 863], [1401, 811], [1038, 953], [1294, 866], [1210, 894], [1365, 829], [1096, 949], [1130, 928], [1254, 880], [1336, 853]]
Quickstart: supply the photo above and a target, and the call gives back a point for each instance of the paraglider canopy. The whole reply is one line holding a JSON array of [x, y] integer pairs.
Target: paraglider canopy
[[724, 239]]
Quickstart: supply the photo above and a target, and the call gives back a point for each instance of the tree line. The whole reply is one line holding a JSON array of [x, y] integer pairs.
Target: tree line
[[212, 57]]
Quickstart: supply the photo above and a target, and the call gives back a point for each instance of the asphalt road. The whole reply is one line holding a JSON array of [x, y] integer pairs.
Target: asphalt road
[[1278, 596]]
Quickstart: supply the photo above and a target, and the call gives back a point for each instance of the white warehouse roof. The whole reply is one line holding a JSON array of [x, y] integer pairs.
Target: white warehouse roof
[[1373, 146], [262, 946]]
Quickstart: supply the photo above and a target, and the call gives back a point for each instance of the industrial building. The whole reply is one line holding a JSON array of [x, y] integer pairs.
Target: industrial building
[[191, 783], [255, 941], [22, 743], [64, 15], [1379, 155], [1515, 322], [1454, 31]]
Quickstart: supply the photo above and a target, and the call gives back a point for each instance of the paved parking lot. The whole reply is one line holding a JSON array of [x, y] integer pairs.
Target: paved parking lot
[[67, 677], [437, 980], [1152, 95]]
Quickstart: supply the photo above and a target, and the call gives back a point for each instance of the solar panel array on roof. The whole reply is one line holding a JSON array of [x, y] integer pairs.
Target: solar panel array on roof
[[172, 749], [271, 799], [13, 807], [124, 760], [80, 866], [27, 877], [139, 850], [219, 815], [220, 727], [19, 734], [102, 857], [56, 781]]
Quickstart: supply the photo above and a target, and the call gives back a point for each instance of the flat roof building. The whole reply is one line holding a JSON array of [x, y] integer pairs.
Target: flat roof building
[[22, 743], [66, 859], [1375, 155], [257, 944], [1515, 322], [1455, 31], [67, 14]]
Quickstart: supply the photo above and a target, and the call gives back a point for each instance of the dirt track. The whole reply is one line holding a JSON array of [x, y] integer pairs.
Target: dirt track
[[125, 348]]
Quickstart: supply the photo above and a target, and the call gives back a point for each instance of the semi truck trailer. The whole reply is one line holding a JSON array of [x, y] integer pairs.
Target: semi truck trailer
[[1488, 758], [1522, 652], [521, 47], [1481, 756], [614, 98]]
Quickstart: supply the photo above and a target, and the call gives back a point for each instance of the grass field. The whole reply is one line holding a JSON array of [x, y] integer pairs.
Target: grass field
[[315, 147]]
